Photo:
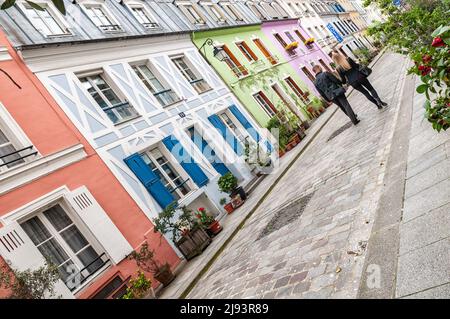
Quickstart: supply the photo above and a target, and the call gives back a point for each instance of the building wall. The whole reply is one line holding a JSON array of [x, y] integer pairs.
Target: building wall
[[261, 73], [306, 57], [51, 133]]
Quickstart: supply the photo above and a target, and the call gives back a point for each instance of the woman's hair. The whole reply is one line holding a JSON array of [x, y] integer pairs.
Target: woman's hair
[[340, 61]]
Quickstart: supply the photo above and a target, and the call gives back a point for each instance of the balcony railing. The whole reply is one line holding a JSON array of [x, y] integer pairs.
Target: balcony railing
[[240, 71], [87, 272], [17, 157], [273, 59], [110, 27], [151, 25]]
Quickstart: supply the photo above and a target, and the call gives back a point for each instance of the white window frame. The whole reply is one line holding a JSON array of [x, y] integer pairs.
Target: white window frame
[[193, 70], [186, 7], [177, 168], [137, 5], [15, 136], [115, 90], [85, 6], [247, 54], [242, 134], [39, 205], [54, 13], [260, 14], [230, 8], [268, 111]]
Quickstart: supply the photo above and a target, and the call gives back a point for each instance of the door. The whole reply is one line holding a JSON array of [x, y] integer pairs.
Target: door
[[208, 152]]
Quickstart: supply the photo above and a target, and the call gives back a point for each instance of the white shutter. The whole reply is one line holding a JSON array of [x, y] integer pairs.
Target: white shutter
[[99, 223], [21, 254]]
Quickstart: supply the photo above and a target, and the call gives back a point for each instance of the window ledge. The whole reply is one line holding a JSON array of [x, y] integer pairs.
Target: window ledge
[[206, 91], [190, 197], [127, 120], [33, 170], [173, 103]]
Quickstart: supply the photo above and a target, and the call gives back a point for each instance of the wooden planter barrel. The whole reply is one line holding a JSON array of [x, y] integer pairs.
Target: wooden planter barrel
[[193, 243]]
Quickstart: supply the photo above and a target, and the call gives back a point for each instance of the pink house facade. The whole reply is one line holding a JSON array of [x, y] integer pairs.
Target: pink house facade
[[303, 57]]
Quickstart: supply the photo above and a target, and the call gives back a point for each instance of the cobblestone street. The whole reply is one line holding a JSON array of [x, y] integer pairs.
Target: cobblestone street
[[321, 253]]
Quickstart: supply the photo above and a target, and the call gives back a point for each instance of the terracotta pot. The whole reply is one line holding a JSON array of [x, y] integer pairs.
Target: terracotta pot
[[229, 208], [281, 153], [215, 227], [164, 275]]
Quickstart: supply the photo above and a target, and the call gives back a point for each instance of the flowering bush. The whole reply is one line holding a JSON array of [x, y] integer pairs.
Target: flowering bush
[[204, 217], [138, 287], [432, 64], [292, 46], [309, 41]]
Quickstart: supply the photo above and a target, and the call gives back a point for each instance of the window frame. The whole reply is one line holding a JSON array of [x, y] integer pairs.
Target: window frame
[[153, 24], [53, 12], [242, 134], [273, 111], [246, 51], [192, 82], [159, 78], [186, 6], [230, 9], [215, 11], [112, 19], [103, 75]]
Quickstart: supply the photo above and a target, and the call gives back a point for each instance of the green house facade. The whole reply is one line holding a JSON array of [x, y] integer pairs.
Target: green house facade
[[257, 73]]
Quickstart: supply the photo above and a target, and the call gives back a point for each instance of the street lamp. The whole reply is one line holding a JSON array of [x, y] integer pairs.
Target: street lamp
[[218, 52]]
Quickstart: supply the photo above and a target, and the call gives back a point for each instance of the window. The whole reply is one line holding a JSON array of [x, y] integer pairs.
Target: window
[[8, 153], [168, 176], [297, 90], [280, 39], [117, 110], [215, 11], [57, 237], [231, 10], [198, 83], [143, 17], [301, 37], [270, 10], [163, 94], [246, 51], [192, 14], [272, 59], [238, 69], [256, 11], [289, 36], [44, 21], [240, 133], [308, 74], [265, 103], [114, 289], [281, 12], [98, 15], [325, 65]]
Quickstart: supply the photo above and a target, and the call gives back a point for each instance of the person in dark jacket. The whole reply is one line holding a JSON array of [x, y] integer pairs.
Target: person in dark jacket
[[331, 89], [349, 72]]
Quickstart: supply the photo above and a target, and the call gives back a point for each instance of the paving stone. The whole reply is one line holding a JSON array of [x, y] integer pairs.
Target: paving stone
[[428, 177], [298, 277], [440, 292], [282, 282], [322, 281]]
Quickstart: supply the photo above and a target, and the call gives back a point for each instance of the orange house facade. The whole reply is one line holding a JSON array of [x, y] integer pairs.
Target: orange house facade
[[58, 199]]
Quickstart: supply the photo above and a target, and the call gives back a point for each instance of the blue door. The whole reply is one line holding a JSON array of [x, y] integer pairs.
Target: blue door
[[208, 152]]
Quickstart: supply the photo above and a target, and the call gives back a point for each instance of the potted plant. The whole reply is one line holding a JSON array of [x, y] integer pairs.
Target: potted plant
[[212, 226], [309, 43], [257, 158], [291, 46], [190, 238], [145, 260], [228, 183], [138, 287], [228, 206]]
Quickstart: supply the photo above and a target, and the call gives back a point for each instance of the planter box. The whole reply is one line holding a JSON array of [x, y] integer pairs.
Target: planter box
[[193, 243]]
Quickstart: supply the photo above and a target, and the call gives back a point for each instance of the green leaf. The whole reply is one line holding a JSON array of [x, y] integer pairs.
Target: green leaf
[[59, 4], [35, 6], [440, 30], [7, 4], [421, 88]]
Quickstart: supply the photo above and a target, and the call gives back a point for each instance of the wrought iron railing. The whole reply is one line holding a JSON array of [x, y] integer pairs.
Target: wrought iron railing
[[150, 25], [17, 157], [240, 71], [90, 272], [110, 27]]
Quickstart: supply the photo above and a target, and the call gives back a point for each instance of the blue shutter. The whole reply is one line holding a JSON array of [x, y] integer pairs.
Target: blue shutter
[[186, 161], [208, 152], [151, 182], [223, 130], [251, 130]]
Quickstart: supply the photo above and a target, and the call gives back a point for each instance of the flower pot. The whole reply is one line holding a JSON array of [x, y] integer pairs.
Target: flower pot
[[193, 243], [164, 275], [229, 208], [215, 228], [237, 201], [241, 193], [281, 153]]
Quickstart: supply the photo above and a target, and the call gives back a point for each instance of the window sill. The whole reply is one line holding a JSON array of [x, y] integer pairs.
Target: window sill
[[173, 103], [93, 277], [206, 91], [126, 120]]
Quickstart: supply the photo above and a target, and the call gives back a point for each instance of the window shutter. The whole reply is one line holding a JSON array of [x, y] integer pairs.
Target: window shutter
[[21, 254], [186, 161], [151, 182], [99, 223], [251, 130], [228, 136]]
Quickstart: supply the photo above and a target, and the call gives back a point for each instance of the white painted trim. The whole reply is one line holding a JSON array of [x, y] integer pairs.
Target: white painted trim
[[43, 166], [4, 54]]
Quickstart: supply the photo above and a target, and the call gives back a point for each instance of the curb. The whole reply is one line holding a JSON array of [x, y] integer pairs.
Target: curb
[[208, 265]]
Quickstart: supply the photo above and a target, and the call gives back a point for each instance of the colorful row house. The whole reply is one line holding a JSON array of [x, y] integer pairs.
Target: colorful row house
[[58, 199]]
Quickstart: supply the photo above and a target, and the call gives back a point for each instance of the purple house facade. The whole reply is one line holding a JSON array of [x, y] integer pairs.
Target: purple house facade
[[302, 58]]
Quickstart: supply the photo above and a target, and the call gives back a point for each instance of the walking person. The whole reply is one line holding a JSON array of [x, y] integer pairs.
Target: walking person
[[331, 89], [350, 73]]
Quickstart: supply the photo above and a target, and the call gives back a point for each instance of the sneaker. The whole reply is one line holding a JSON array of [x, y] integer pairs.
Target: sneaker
[[384, 103], [357, 121]]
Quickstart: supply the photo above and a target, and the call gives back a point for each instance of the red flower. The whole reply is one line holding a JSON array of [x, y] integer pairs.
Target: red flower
[[426, 58], [424, 69], [437, 42], [201, 209]]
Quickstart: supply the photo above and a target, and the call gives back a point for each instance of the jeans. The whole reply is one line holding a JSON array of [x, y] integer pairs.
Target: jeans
[[368, 90], [343, 104]]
